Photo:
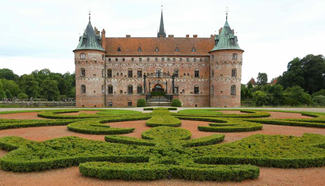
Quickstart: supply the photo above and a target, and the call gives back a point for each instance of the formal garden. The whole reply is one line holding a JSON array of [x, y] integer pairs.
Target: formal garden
[[161, 143]]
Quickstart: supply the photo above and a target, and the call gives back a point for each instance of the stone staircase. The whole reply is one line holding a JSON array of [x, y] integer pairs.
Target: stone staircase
[[158, 101]]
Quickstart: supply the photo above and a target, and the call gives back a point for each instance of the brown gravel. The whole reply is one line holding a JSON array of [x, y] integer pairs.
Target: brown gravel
[[23, 115], [283, 115], [71, 176]]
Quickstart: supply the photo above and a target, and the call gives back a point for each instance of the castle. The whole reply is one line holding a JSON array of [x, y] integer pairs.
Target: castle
[[116, 72]]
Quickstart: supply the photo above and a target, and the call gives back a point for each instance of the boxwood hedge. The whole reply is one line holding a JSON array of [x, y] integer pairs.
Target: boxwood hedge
[[163, 118]]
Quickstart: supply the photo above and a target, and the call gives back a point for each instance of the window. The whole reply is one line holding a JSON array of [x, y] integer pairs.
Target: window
[[83, 72], [123, 59], [174, 59], [148, 59], [176, 49], [132, 59], [168, 59], [187, 59], [193, 49], [109, 73], [163, 59], [130, 89], [130, 103], [176, 90], [110, 104], [139, 89], [158, 72], [140, 59], [139, 49], [116, 59], [233, 90], [196, 73], [212, 73], [196, 90], [194, 59], [156, 59], [119, 49], [234, 56], [180, 59], [139, 73], [110, 89], [83, 89], [130, 73], [156, 49], [234, 72], [176, 73], [212, 89], [109, 59], [103, 89], [82, 56]]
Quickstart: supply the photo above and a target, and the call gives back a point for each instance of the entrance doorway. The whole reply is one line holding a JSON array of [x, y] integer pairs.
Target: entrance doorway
[[158, 90]]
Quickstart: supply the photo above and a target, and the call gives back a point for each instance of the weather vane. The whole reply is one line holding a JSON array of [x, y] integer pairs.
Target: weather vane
[[227, 12]]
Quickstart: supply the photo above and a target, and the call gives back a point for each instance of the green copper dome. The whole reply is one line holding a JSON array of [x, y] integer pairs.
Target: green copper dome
[[226, 40], [89, 40]]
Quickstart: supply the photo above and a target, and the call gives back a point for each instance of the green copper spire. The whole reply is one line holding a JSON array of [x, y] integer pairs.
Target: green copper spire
[[89, 40], [227, 39], [161, 32]]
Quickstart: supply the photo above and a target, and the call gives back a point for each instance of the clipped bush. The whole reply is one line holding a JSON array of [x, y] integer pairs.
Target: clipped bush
[[128, 140], [141, 103], [162, 117], [208, 140], [176, 103]]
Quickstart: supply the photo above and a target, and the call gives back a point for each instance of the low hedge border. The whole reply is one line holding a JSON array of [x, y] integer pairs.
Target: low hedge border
[[209, 113], [147, 171], [299, 123], [231, 126], [167, 133], [94, 127], [56, 115], [163, 118], [160, 108], [208, 140], [128, 140], [10, 124]]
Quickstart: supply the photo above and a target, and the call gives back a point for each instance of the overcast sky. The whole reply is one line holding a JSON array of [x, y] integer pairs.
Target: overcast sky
[[37, 34]]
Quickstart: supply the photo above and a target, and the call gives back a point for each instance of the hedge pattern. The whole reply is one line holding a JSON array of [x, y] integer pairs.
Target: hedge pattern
[[218, 113], [163, 118]]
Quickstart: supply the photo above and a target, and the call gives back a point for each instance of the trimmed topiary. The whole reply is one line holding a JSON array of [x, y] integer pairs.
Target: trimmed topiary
[[176, 103], [141, 103]]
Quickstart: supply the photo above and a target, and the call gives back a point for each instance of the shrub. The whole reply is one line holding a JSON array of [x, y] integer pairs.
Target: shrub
[[22, 96], [208, 140], [319, 100], [219, 114], [128, 140], [11, 123], [141, 103], [163, 118], [176, 103], [167, 133]]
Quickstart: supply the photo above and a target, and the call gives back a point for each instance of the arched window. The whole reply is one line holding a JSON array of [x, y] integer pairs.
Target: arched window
[[83, 89], [158, 73], [233, 90], [156, 49], [110, 89], [196, 73], [175, 73], [109, 73], [139, 49], [196, 89], [234, 56], [82, 56], [139, 89], [130, 89], [82, 72], [234, 72], [193, 49], [119, 49], [212, 89]]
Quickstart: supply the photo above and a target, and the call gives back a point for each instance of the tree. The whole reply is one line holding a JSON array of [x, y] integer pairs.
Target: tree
[[50, 90], [29, 86], [8, 74], [296, 96], [262, 79], [11, 88], [308, 73], [260, 98]]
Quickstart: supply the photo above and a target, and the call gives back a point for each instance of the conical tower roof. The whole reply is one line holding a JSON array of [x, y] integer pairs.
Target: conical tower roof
[[226, 40], [89, 40], [161, 32]]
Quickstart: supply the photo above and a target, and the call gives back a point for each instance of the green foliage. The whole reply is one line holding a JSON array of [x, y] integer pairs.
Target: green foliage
[[9, 123], [22, 96], [95, 127], [141, 103], [208, 140], [232, 126], [319, 93], [261, 79], [50, 90], [296, 96], [176, 103], [128, 140], [7, 74], [10, 88], [162, 118], [260, 98], [217, 113], [319, 100], [169, 133]]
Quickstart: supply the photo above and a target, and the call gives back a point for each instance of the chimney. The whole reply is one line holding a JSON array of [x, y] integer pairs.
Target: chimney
[[187, 35], [195, 35], [128, 36], [103, 38]]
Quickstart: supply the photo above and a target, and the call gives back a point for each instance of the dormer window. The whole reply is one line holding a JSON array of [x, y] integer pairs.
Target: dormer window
[[139, 49], [119, 49], [176, 49], [193, 49], [157, 49], [82, 56]]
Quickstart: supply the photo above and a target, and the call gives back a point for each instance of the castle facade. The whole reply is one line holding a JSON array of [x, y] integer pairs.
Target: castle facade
[[116, 72]]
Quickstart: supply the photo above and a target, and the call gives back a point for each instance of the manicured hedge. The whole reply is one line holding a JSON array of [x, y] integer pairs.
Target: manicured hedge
[[163, 118], [176, 103], [160, 108], [166, 133], [94, 127], [146, 171], [231, 126], [217, 113], [59, 115], [208, 140], [9, 124], [301, 123], [128, 140]]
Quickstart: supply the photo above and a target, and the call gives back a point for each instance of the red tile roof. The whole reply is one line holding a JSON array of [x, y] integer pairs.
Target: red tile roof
[[166, 46]]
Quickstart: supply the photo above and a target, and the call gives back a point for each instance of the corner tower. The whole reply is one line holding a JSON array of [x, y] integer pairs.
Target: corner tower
[[225, 69], [89, 61]]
